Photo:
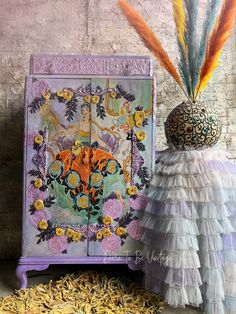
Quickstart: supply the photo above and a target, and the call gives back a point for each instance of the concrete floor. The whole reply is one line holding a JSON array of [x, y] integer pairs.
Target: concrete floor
[[8, 281]]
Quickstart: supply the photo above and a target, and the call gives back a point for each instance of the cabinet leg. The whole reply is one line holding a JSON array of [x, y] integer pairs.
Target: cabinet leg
[[21, 272]]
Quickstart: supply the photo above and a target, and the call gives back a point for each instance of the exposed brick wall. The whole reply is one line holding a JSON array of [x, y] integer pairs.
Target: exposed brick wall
[[85, 27]]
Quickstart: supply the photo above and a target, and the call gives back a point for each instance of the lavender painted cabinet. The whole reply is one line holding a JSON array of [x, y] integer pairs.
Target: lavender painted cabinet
[[88, 157]]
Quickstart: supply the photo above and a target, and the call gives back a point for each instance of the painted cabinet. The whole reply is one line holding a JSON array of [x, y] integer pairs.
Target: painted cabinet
[[88, 157]]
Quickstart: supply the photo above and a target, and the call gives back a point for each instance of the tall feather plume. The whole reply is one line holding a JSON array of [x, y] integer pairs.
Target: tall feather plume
[[149, 38], [180, 23], [221, 31], [211, 12], [191, 40]]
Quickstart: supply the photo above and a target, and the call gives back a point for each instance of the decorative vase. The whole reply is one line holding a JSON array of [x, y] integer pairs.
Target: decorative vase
[[192, 125]]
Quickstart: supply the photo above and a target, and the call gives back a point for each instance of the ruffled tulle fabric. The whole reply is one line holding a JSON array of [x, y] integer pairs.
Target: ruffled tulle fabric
[[189, 230]]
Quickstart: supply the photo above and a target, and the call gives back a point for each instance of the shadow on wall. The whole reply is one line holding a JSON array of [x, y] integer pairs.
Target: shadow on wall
[[11, 181]]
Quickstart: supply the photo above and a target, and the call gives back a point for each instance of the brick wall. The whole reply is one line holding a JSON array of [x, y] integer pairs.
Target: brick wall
[[86, 27]]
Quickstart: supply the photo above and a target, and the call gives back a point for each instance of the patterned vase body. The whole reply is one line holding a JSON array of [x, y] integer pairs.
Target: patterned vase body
[[192, 126]]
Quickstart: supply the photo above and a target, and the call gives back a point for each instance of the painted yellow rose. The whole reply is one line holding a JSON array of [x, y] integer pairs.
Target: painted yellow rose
[[67, 94], [60, 93], [107, 220], [46, 95], [132, 190], [70, 233], [139, 115], [87, 98], [76, 236], [106, 232], [38, 139], [43, 224], [113, 94], [38, 183], [120, 231], [141, 135], [59, 232], [98, 235], [39, 204], [95, 99], [138, 124]]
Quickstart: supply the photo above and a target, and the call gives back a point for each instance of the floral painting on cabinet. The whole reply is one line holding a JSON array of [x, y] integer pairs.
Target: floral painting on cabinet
[[89, 158]]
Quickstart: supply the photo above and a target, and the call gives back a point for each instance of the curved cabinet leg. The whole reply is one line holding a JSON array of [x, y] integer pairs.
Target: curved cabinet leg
[[21, 272]]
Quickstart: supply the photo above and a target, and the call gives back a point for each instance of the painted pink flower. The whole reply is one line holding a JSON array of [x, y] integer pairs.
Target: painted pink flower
[[140, 202], [38, 216], [34, 193], [112, 208], [134, 229], [58, 244], [111, 243], [39, 87]]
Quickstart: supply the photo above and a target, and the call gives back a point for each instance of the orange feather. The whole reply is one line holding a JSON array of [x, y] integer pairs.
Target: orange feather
[[149, 39], [221, 31]]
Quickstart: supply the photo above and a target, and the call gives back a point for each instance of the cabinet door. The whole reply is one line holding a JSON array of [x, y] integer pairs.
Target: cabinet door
[[88, 156], [122, 128], [56, 167]]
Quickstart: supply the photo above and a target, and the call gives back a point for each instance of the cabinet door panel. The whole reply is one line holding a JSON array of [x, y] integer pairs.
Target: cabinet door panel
[[56, 167], [122, 129]]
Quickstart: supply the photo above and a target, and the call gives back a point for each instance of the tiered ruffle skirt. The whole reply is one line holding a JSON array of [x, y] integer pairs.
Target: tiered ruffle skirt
[[189, 230]]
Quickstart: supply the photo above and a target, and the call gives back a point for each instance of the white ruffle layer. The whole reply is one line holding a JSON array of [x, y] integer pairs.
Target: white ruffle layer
[[212, 276], [213, 293], [230, 272], [215, 308], [190, 210], [211, 259], [173, 276], [188, 169], [174, 295], [230, 305], [208, 194], [201, 180], [210, 242], [169, 156], [179, 296], [229, 256], [230, 288], [169, 242], [171, 225], [185, 226]]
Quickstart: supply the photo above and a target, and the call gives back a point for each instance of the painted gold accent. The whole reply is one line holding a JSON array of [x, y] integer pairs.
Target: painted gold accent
[[127, 177], [38, 183], [43, 225], [59, 232], [38, 139], [39, 204], [132, 190], [107, 102]]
